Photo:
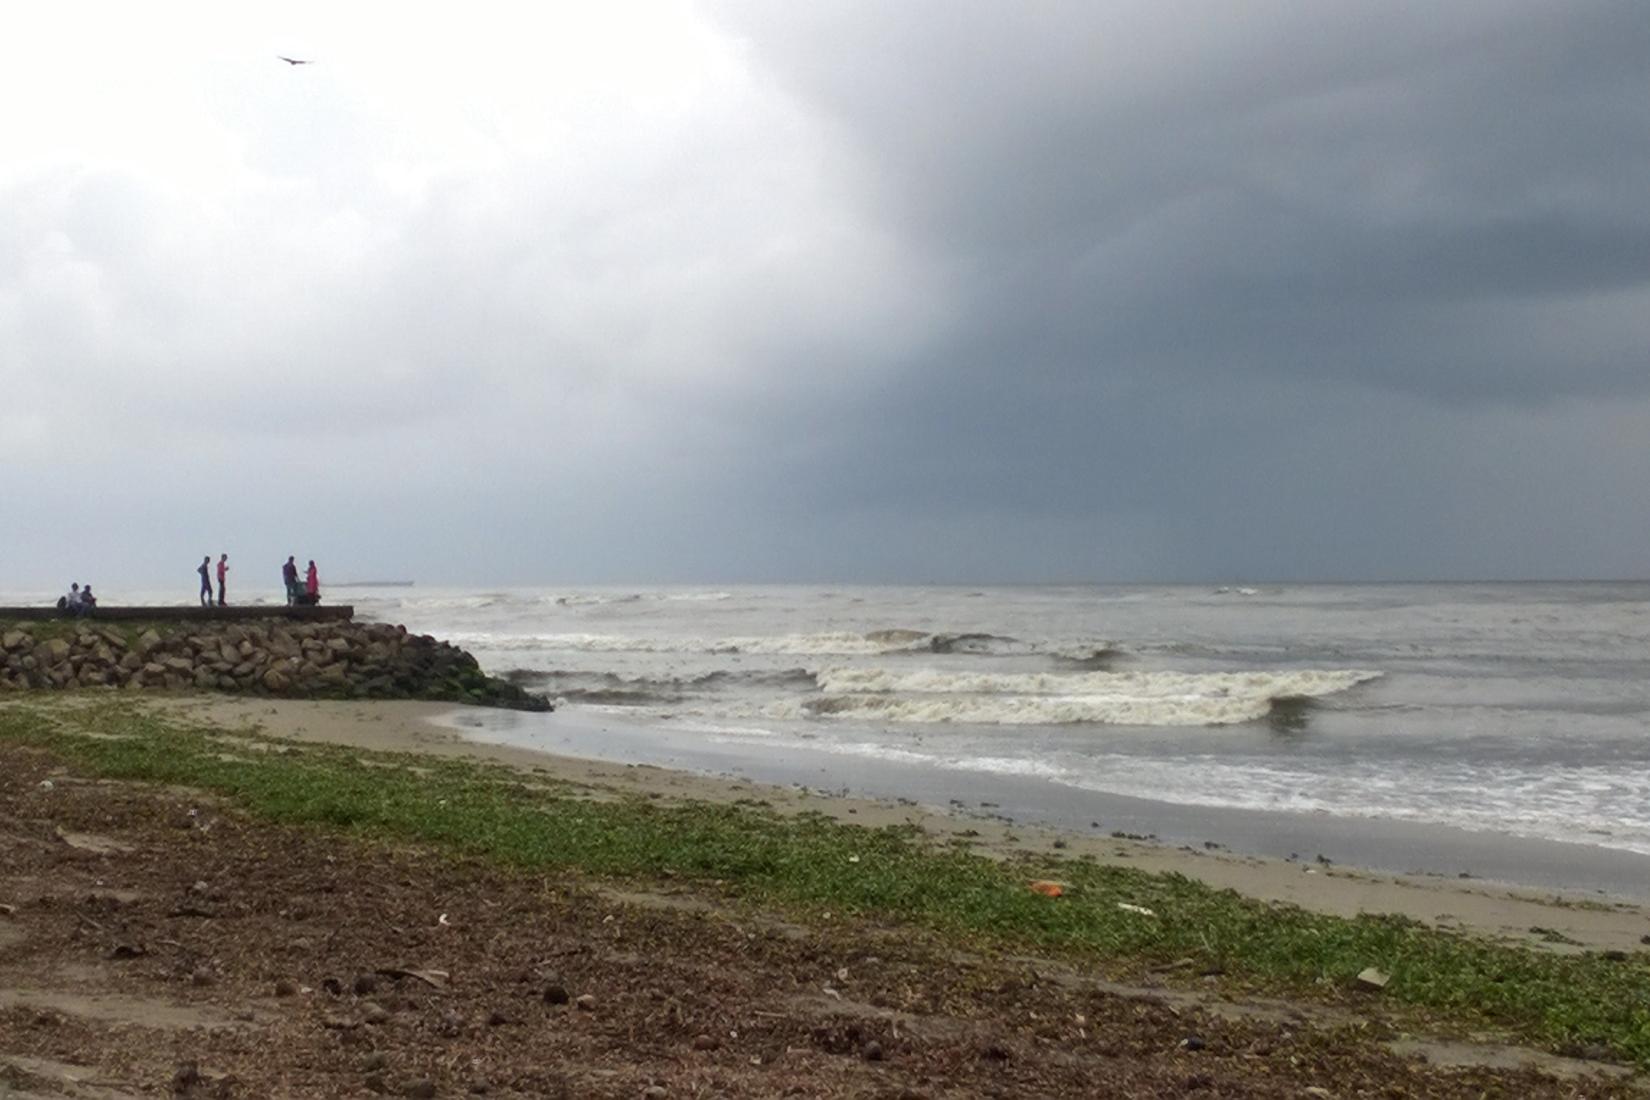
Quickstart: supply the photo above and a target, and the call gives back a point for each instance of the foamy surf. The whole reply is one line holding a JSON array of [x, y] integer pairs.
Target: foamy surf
[[872, 643], [1293, 683], [1035, 710], [1026, 699]]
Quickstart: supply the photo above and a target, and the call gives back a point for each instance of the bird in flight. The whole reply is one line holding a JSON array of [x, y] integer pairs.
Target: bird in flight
[[295, 60]]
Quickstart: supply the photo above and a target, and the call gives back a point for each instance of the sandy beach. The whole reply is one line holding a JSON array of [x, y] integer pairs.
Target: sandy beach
[[1523, 914], [166, 928]]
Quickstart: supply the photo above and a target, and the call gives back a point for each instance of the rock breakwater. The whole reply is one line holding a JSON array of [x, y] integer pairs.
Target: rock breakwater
[[335, 660]]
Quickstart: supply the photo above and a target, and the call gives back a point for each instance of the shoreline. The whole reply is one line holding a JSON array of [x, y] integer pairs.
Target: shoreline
[[1416, 849], [1534, 915]]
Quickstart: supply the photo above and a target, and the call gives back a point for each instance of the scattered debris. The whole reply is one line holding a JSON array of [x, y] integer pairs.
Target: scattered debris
[[91, 842], [435, 979], [1371, 978]]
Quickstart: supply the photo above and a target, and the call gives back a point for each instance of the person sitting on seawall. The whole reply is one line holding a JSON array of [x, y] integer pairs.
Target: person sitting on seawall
[[70, 604], [88, 602]]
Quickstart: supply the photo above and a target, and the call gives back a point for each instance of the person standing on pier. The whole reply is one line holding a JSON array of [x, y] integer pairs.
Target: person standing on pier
[[205, 570], [223, 568], [312, 584], [289, 574]]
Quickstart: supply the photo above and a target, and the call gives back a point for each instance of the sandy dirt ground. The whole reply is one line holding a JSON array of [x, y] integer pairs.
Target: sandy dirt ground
[[157, 943], [1463, 904]]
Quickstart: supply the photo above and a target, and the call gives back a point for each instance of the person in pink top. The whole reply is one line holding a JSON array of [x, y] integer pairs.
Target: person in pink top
[[223, 568], [312, 583]]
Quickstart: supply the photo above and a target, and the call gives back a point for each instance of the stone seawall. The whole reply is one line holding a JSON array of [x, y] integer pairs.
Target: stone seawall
[[338, 660]]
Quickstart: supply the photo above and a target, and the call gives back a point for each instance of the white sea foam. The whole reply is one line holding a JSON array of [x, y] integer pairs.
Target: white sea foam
[[929, 695], [1034, 710], [1106, 686], [834, 643], [1580, 805]]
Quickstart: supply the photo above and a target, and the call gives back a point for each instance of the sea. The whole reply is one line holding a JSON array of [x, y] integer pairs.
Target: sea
[[1521, 709], [1497, 710]]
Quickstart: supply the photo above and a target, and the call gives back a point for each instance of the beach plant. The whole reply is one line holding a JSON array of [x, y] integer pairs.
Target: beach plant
[[1111, 919]]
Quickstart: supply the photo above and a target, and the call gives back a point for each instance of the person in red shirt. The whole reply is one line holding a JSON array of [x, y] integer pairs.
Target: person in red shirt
[[312, 583], [223, 567]]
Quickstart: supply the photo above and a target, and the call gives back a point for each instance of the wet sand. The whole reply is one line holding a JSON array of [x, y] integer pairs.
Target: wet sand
[[1512, 892]]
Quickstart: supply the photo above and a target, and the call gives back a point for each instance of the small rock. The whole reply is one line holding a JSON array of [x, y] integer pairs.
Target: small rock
[[1371, 978], [705, 1042], [374, 1014], [556, 995], [496, 1018], [873, 1051], [375, 1083], [200, 887], [374, 1062], [655, 1092], [365, 985], [423, 1089], [1615, 956], [1644, 939], [1191, 1042], [332, 986], [286, 987], [202, 977], [586, 1002]]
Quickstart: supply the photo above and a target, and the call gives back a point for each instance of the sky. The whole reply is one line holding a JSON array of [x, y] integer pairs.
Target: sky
[[719, 292]]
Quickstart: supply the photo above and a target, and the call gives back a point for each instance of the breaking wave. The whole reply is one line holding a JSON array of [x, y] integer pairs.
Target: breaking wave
[[612, 689], [1136, 699], [1303, 683], [827, 644]]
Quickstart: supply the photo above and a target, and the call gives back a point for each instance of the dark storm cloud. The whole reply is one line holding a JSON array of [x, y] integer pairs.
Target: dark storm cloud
[[921, 291], [1350, 187], [1269, 289]]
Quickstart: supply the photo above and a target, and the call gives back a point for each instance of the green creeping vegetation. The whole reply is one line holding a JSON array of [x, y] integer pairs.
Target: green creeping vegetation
[[812, 863]]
